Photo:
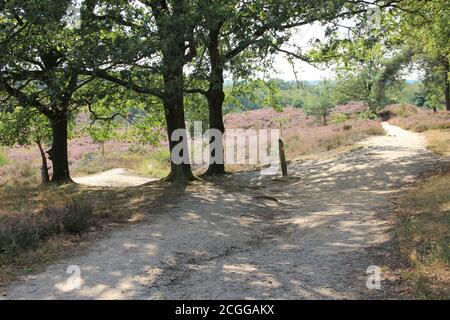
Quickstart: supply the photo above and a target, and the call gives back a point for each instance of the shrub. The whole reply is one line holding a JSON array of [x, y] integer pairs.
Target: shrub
[[137, 149], [339, 118], [332, 142], [375, 131], [24, 231], [74, 217], [368, 115], [17, 233]]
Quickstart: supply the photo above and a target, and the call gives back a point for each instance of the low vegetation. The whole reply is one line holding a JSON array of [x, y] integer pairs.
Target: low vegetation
[[439, 141], [154, 163], [302, 134], [24, 231], [3, 160], [423, 236], [423, 230], [38, 225], [418, 119]]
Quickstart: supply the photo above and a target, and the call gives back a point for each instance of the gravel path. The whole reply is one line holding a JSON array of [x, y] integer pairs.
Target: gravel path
[[312, 235]]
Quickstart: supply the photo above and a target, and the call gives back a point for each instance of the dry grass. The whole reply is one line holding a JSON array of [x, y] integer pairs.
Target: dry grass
[[418, 119], [439, 141], [423, 236], [22, 232], [38, 224], [3, 159], [111, 207]]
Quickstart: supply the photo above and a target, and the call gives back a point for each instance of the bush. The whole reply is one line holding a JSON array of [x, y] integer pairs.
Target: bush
[[368, 115], [24, 231], [332, 142], [339, 118], [375, 131], [74, 218]]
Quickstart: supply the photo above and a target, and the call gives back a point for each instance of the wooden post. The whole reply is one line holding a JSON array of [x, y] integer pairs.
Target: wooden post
[[282, 158]]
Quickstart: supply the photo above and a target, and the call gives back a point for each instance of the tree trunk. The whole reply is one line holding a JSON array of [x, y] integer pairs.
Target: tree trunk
[[174, 111], [58, 154], [216, 97], [446, 84], [44, 167]]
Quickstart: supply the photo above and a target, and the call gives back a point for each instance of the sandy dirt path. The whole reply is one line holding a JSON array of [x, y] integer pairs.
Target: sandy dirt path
[[113, 178], [312, 235]]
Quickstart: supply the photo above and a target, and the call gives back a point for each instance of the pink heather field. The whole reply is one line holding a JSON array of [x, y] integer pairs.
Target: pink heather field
[[302, 135], [418, 119]]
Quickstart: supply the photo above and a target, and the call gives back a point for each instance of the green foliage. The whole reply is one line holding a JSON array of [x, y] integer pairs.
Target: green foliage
[[22, 127], [368, 115], [339, 118], [116, 113], [196, 111], [426, 35], [325, 104], [253, 94], [250, 95], [162, 156]]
